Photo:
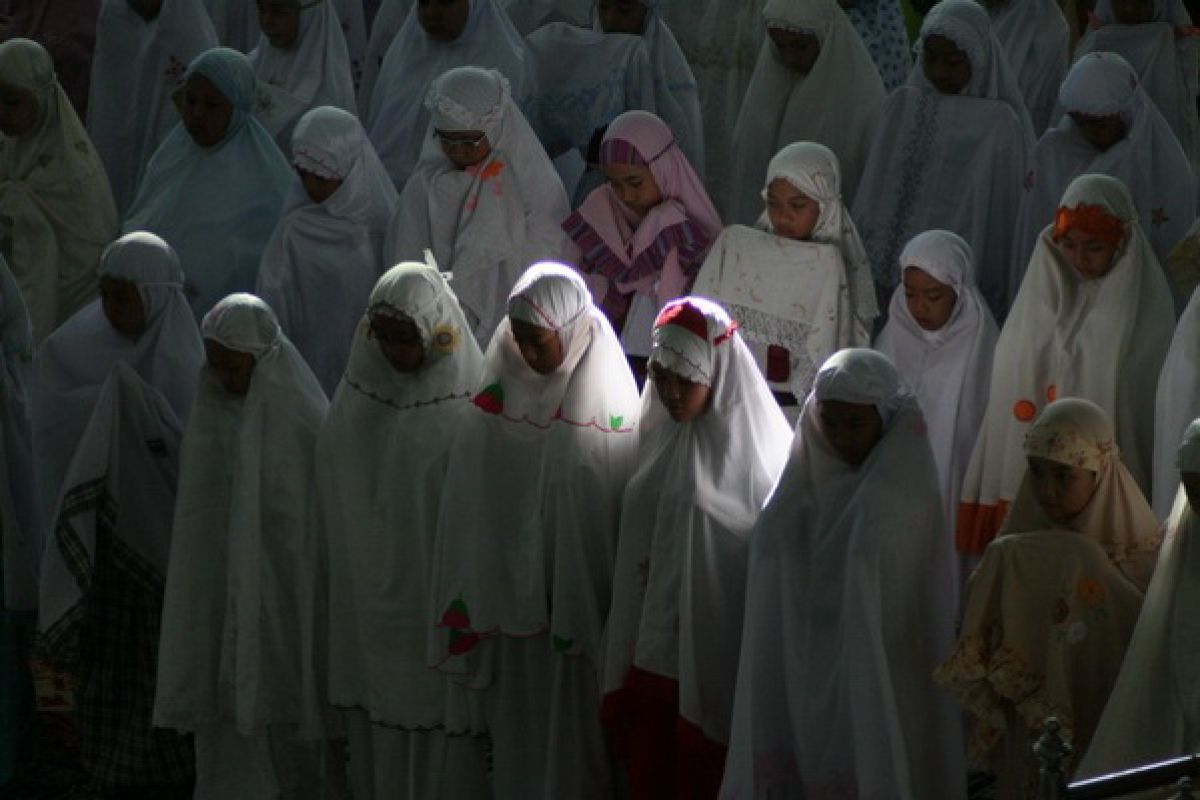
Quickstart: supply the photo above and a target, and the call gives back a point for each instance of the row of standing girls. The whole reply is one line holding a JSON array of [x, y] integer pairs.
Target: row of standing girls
[[511, 633]]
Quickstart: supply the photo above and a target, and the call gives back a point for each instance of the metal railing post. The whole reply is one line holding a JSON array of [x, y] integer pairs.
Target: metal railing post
[[1051, 751]]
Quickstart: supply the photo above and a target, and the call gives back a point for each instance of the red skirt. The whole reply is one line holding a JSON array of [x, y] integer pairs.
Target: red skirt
[[666, 755]]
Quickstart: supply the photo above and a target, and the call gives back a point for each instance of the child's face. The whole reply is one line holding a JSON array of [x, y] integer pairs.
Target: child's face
[[1133, 12], [18, 111], [1191, 488], [946, 65], [635, 187], [319, 189], [279, 21], [233, 368], [541, 347], [122, 304], [464, 148], [1100, 132], [684, 400], [1061, 490], [205, 111], [930, 301], [792, 213], [146, 9], [443, 20], [399, 341], [852, 429], [621, 16], [1090, 256], [795, 50]]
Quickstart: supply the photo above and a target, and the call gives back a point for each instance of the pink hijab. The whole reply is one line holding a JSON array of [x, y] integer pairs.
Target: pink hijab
[[667, 245]]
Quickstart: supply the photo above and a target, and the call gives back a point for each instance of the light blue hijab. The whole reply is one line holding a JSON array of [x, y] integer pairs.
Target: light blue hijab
[[216, 206]]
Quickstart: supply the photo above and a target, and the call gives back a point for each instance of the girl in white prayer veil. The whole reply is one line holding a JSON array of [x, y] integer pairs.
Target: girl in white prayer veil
[[141, 318], [800, 285], [1110, 126], [484, 196], [215, 188], [58, 211], [102, 587], [1154, 37], [301, 62], [1052, 605], [1037, 42], [238, 26], [949, 152], [137, 66], [1093, 319], [711, 446], [941, 337], [850, 607], [1176, 405], [327, 252], [522, 573], [434, 38], [1152, 714], [812, 61], [235, 663], [381, 461], [676, 96]]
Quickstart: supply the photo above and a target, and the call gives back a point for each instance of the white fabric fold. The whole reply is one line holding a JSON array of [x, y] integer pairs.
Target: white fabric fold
[[680, 582], [323, 258], [850, 609], [239, 614], [485, 224]]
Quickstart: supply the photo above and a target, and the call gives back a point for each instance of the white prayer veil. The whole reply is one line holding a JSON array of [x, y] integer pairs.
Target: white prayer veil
[[74, 363], [852, 599], [534, 553], [1153, 712], [948, 369], [485, 224], [1149, 159], [1102, 340], [396, 118], [1165, 61], [58, 207], [968, 25], [241, 601], [313, 71], [381, 462], [680, 581], [323, 258], [835, 104], [815, 170], [951, 162], [1035, 38]]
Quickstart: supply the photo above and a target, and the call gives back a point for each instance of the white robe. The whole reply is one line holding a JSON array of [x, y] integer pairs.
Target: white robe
[[849, 610], [323, 258], [381, 463], [314, 71]]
